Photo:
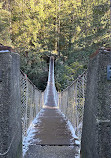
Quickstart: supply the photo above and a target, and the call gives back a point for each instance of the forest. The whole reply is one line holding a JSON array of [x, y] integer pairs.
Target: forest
[[71, 30]]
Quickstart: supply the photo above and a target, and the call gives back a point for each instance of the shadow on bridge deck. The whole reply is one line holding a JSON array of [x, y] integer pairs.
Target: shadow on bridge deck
[[51, 134]]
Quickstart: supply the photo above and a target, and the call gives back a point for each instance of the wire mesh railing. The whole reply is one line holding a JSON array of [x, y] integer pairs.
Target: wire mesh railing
[[31, 102], [71, 102]]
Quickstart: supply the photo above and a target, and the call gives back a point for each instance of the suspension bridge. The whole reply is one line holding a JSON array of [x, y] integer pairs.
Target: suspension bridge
[[52, 124], [51, 127]]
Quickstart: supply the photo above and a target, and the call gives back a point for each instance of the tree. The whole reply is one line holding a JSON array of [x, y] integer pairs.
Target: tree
[[70, 29], [5, 17]]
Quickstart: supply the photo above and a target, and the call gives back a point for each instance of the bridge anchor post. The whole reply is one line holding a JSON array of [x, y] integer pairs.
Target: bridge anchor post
[[96, 133], [10, 111]]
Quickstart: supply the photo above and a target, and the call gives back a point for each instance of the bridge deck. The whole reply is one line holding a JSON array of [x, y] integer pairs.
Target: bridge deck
[[51, 128]]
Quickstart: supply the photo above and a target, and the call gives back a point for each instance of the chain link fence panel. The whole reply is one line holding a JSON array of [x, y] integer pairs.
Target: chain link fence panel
[[71, 102], [31, 102]]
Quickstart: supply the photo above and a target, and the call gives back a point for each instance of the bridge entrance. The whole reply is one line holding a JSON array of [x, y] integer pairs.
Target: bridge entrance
[[51, 128], [48, 117]]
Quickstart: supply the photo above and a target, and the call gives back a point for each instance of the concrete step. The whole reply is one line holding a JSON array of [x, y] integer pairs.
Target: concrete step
[[37, 151]]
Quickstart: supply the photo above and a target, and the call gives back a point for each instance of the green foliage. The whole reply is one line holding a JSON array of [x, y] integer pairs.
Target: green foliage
[[4, 24], [69, 29], [35, 68]]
